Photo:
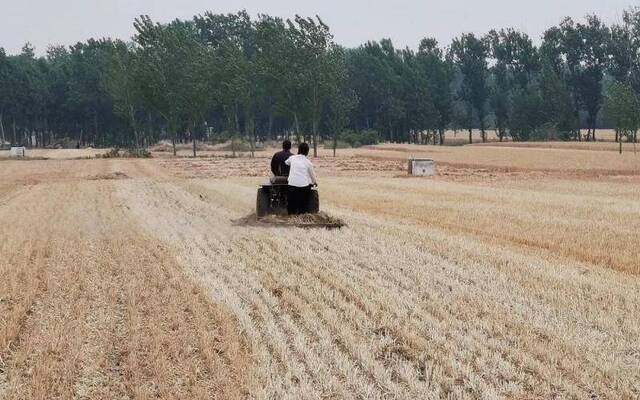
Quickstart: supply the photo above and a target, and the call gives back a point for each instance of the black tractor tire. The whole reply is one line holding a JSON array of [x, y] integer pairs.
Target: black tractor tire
[[262, 203], [313, 207]]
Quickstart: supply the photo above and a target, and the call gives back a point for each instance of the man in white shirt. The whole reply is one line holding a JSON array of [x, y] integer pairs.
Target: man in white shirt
[[301, 178]]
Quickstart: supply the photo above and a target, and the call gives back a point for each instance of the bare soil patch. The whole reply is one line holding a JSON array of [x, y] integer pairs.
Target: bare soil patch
[[226, 167], [320, 220], [110, 175]]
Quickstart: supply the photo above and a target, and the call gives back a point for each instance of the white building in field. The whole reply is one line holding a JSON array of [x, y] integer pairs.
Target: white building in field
[[18, 152], [421, 167]]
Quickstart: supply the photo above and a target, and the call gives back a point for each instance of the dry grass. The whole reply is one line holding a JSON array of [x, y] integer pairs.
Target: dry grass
[[186, 147], [585, 221], [592, 146], [512, 158], [92, 308], [479, 283], [59, 154], [320, 220], [388, 307]]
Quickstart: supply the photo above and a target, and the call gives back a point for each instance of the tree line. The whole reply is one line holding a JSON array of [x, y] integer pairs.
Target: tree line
[[228, 76]]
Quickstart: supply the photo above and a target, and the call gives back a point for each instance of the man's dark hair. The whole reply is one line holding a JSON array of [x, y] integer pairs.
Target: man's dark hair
[[303, 149], [286, 145]]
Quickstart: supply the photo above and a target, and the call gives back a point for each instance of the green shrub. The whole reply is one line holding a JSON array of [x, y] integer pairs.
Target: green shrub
[[130, 153], [363, 138], [328, 144]]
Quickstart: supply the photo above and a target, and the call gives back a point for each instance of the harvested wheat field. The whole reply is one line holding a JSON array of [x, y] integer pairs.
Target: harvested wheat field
[[500, 278]]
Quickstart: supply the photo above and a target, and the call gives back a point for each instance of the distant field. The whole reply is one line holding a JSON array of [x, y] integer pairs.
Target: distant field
[[461, 136], [516, 158], [58, 154], [572, 145], [512, 274]]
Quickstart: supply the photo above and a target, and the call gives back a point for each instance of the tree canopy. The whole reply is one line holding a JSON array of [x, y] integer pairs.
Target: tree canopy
[[234, 77]]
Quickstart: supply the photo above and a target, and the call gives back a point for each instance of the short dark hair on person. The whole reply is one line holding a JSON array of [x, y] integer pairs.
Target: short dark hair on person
[[286, 145], [303, 149]]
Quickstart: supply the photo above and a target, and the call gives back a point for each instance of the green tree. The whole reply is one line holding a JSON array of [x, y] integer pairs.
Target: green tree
[[516, 62], [231, 38], [173, 71], [557, 107], [5, 94], [373, 77], [272, 66], [526, 114], [594, 58], [121, 83], [470, 56], [438, 73], [342, 99], [320, 61], [622, 108]]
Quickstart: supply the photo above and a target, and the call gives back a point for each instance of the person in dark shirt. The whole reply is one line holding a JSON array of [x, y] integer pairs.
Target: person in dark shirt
[[278, 167]]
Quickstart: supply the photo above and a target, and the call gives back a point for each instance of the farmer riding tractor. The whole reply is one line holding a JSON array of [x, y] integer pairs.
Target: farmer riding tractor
[[272, 198]]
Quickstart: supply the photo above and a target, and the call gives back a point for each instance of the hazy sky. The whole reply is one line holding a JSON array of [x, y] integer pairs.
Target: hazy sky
[[44, 22]]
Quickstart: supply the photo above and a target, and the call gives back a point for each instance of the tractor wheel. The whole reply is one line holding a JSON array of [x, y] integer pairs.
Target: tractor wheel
[[262, 203], [313, 207]]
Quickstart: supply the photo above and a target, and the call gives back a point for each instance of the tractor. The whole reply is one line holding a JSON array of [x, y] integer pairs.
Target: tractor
[[272, 198]]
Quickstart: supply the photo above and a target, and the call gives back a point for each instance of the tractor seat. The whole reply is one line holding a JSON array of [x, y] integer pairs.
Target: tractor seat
[[279, 180]]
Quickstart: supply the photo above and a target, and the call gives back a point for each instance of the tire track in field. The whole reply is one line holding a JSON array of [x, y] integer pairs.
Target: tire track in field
[[234, 284], [381, 371], [481, 339]]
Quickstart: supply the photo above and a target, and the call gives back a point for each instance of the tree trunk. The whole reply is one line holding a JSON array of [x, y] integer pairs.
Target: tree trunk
[[236, 118], [314, 135], [172, 129], [296, 126], [149, 127], [270, 128], [13, 128], [132, 119], [95, 125], [1, 132], [621, 145], [252, 134], [193, 138]]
